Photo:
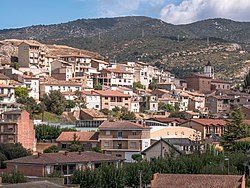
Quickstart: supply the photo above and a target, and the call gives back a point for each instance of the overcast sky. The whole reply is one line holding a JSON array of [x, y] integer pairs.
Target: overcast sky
[[20, 13]]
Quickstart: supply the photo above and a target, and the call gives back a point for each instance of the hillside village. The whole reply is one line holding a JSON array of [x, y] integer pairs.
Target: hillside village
[[122, 109]]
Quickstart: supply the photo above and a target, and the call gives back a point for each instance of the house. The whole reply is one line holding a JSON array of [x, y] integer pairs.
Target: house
[[99, 64], [197, 181], [135, 105], [166, 85], [65, 163], [167, 121], [115, 77], [7, 96], [4, 80], [32, 83], [93, 100], [158, 132], [123, 138], [51, 84], [92, 114], [111, 99], [30, 54], [221, 84], [219, 104], [196, 101], [207, 127], [62, 70], [160, 148], [88, 140], [191, 114], [199, 82], [17, 127], [148, 103], [81, 62]]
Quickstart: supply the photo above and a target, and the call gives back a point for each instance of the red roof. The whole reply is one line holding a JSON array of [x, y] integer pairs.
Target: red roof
[[123, 125], [83, 136], [64, 157], [117, 71], [110, 93], [209, 122], [197, 181], [76, 55]]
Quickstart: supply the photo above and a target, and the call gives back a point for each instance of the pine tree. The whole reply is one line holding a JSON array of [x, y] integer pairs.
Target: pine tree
[[236, 129]]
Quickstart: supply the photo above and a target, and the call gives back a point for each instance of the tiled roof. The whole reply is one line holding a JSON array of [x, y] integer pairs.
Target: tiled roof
[[196, 181], [208, 122], [123, 125], [117, 71], [100, 61], [220, 81], [64, 157], [76, 55], [94, 113], [167, 99], [83, 136], [168, 120], [110, 93], [36, 184], [6, 86], [52, 81], [198, 75]]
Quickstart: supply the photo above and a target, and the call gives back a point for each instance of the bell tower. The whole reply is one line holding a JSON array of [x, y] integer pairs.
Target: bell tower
[[209, 70]]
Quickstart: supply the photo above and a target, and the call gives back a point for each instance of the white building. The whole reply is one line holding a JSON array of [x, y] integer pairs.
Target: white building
[[93, 100], [32, 84]]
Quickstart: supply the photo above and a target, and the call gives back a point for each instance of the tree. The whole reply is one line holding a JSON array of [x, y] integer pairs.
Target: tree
[[137, 157], [21, 92], [75, 144], [15, 65], [166, 107], [180, 115], [47, 132], [70, 104], [236, 129], [80, 101], [247, 80], [29, 104], [13, 177], [55, 102], [51, 149], [153, 84], [128, 116], [138, 85], [105, 111], [13, 151]]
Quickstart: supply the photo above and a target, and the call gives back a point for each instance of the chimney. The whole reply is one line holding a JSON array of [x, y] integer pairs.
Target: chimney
[[66, 153]]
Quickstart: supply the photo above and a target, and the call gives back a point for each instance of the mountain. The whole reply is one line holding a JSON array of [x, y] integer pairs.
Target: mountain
[[150, 40]]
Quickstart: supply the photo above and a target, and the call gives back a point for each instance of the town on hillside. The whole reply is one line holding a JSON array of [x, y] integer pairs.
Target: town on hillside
[[77, 118]]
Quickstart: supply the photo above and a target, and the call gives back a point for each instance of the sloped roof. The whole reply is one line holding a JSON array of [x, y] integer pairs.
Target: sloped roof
[[83, 136], [210, 122], [123, 125], [109, 93], [117, 71], [64, 157], [94, 113], [196, 181]]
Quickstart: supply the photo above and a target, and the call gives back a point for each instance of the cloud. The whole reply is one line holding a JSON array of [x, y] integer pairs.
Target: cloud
[[112, 8], [189, 11]]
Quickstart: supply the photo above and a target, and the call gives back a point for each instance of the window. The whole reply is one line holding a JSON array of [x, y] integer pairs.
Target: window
[[106, 98], [112, 99], [48, 169], [126, 98], [126, 104], [71, 168], [133, 144], [106, 103], [133, 132], [64, 146], [107, 133], [96, 106], [118, 155], [119, 134], [119, 145], [146, 144], [106, 144]]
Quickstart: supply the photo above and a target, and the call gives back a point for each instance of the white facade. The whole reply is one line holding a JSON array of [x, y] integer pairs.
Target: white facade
[[46, 88], [32, 84], [135, 106], [93, 101]]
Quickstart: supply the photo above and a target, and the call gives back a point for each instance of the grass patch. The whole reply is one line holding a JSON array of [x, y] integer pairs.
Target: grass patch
[[49, 117]]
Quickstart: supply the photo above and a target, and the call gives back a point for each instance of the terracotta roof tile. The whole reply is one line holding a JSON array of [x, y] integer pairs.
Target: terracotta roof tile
[[83, 136], [76, 55], [64, 157], [209, 122], [196, 181], [110, 93], [117, 71], [124, 125], [94, 113]]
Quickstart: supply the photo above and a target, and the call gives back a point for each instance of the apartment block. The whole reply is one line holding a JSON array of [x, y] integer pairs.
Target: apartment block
[[17, 127], [111, 99], [123, 138]]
